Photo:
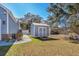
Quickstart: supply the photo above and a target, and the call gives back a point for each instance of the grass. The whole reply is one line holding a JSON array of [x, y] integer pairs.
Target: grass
[[42, 48]]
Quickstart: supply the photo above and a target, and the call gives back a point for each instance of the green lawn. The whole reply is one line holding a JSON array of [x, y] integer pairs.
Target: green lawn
[[41, 48]]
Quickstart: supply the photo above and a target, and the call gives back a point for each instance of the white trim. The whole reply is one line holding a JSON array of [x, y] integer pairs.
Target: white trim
[[34, 31], [7, 23], [40, 24], [46, 32], [0, 29], [19, 25], [49, 31], [38, 31]]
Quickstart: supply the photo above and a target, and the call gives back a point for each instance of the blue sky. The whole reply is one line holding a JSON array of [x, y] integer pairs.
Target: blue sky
[[19, 9]]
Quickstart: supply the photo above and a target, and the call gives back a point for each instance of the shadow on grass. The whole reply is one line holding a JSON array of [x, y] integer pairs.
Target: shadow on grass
[[5, 49], [75, 41], [46, 39]]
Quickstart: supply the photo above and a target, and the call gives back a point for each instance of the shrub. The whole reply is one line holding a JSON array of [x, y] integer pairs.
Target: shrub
[[19, 35]]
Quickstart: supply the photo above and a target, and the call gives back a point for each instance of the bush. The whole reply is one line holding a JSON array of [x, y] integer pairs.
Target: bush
[[19, 35]]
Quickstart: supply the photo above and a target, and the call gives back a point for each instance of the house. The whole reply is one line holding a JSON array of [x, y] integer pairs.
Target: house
[[40, 30], [8, 24]]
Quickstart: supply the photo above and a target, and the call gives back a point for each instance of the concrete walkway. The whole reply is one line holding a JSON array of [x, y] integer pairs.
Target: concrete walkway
[[24, 40]]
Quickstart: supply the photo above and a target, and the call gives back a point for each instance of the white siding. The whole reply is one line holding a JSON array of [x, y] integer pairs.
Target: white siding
[[35, 31], [3, 18], [32, 30], [13, 27]]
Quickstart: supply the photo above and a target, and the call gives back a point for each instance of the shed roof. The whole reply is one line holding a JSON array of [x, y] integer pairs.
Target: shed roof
[[40, 24]]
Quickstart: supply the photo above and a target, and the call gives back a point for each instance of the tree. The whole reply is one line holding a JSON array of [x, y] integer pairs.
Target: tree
[[32, 17], [56, 12], [24, 25], [69, 11], [73, 9], [28, 19]]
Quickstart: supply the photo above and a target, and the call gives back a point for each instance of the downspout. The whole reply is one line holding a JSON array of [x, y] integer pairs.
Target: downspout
[[0, 29], [7, 23]]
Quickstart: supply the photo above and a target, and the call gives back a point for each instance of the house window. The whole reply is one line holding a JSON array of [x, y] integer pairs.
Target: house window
[[3, 22]]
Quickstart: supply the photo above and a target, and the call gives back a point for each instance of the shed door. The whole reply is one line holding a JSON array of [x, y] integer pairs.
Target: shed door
[[42, 31], [0, 29]]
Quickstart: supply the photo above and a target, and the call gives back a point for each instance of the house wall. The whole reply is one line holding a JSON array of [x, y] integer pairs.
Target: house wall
[[13, 27], [3, 18]]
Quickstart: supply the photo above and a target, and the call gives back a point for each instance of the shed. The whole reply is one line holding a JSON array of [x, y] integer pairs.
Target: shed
[[40, 30]]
